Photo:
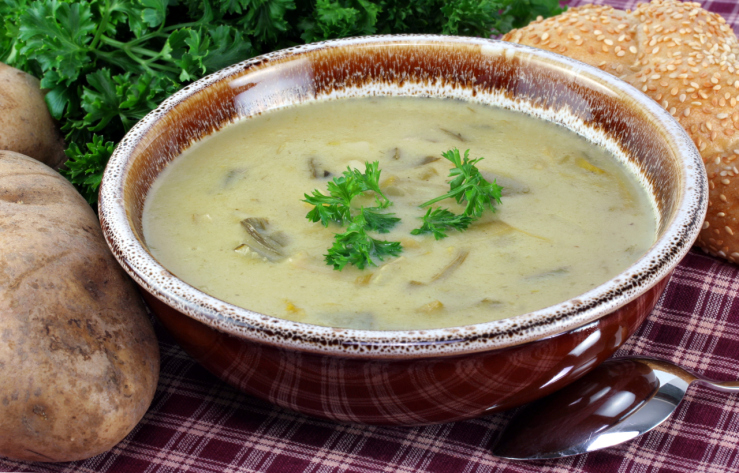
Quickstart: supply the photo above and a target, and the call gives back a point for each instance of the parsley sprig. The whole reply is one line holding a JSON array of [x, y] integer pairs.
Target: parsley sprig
[[439, 219], [467, 187], [355, 246]]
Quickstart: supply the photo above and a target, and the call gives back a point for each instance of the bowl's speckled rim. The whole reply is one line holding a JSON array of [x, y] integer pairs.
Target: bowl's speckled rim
[[657, 263]]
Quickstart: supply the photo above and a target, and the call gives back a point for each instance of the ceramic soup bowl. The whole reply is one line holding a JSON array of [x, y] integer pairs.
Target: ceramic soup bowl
[[410, 377]]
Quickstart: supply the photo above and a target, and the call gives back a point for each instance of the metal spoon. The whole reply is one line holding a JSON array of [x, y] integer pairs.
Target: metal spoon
[[616, 402]]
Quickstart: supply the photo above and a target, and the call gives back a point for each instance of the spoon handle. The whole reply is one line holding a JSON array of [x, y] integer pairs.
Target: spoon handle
[[727, 387]]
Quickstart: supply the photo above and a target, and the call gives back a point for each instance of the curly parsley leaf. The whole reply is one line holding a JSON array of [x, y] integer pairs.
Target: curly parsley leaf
[[122, 100], [378, 221], [85, 169], [439, 219], [468, 186], [336, 206], [341, 18], [357, 248]]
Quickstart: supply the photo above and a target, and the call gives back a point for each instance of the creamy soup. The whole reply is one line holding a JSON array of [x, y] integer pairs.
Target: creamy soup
[[571, 216]]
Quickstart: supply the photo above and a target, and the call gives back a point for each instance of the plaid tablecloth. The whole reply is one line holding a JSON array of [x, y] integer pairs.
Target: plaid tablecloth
[[198, 424]]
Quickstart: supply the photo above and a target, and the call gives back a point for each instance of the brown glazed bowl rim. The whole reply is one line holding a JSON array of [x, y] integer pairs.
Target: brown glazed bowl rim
[[657, 263]]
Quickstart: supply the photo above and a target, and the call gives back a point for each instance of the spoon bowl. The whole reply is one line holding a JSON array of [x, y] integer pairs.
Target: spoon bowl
[[618, 401]]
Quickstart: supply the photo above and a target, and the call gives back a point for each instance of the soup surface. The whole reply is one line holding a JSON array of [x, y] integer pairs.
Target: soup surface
[[571, 215]]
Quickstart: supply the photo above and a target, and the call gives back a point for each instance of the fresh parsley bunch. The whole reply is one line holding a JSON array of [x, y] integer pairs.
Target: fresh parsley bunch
[[106, 63]]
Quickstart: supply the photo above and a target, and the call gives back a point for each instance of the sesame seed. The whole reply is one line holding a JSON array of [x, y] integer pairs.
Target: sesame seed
[[682, 98], [686, 112], [706, 225], [674, 91], [544, 36], [621, 53], [729, 231], [721, 214], [693, 84], [673, 110], [721, 116], [655, 76], [655, 50], [714, 80], [725, 182], [723, 198], [633, 51]]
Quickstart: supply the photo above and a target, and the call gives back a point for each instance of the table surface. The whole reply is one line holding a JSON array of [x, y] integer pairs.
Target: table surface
[[197, 423]]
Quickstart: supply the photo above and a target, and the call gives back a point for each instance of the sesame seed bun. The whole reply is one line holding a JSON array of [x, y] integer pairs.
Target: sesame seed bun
[[685, 58]]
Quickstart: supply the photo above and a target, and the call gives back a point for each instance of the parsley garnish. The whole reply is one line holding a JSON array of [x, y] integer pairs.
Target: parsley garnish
[[467, 187], [439, 219], [335, 207], [354, 246]]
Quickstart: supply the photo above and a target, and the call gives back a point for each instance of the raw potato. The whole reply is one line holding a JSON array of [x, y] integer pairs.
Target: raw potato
[[25, 124], [79, 360]]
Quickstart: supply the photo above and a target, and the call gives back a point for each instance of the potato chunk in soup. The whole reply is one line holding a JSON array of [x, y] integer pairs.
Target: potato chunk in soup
[[227, 215]]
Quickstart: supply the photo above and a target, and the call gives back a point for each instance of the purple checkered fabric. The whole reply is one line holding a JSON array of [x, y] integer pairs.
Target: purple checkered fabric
[[199, 424]]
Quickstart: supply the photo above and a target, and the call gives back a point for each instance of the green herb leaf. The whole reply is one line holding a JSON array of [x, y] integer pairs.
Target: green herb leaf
[[335, 207], [377, 221], [57, 36], [357, 248], [469, 186], [85, 169], [439, 219], [123, 99]]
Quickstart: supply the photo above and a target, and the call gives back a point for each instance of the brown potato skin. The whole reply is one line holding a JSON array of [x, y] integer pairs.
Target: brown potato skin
[[79, 360], [26, 126]]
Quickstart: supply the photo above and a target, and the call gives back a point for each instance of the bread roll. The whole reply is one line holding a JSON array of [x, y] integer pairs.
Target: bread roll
[[685, 58]]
